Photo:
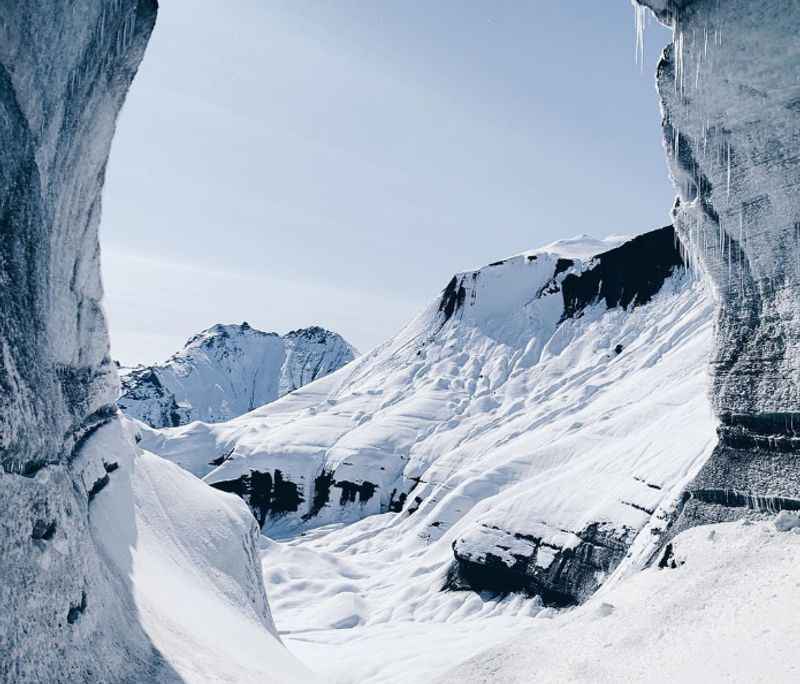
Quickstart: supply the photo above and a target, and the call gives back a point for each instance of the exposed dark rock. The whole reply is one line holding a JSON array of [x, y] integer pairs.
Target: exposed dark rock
[[98, 486], [322, 493], [668, 558], [351, 491], [414, 507], [618, 349], [573, 575], [266, 494], [44, 529], [628, 275], [221, 458], [396, 504], [76, 610], [552, 286], [453, 298]]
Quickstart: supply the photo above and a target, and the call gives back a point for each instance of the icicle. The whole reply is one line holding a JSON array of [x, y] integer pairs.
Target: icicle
[[728, 153], [640, 17], [697, 74]]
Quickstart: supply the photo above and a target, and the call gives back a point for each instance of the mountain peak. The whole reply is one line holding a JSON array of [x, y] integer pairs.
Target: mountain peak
[[229, 369]]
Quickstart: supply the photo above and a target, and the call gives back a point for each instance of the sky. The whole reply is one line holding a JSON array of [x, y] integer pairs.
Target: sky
[[312, 162]]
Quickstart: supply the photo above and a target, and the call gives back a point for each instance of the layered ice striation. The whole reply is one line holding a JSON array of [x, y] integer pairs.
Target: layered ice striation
[[92, 543], [64, 71], [731, 119], [228, 370], [516, 436]]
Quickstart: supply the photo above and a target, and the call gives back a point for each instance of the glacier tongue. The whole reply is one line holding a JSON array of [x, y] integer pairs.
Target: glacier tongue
[[228, 370], [731, 115]]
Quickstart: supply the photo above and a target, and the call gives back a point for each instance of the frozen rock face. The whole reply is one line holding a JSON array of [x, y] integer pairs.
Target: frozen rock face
[[731, 118], [64, 71], [228, 370], [108, 556], [517, 436]]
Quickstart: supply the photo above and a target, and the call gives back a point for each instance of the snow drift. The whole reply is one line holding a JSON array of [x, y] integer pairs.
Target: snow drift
[[228, 370], [524, 423]]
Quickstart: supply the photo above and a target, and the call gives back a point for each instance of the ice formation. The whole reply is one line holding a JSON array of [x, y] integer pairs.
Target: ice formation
[[228, 370], [731, 114], [93, 530]]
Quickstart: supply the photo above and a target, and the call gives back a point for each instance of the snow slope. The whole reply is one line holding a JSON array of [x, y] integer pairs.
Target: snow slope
[[726, 613], [184, 554], [722, 609], [521, 430], [228, 370]]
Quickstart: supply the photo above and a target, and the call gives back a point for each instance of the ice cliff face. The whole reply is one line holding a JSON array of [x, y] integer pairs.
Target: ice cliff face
[[84, 529], [228, 370], [731, 119], [64, 71], [518, 435]]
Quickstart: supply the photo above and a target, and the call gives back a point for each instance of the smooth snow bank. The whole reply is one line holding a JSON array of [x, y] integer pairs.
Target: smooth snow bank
[[185, 553], [361, 605], [728, 612]]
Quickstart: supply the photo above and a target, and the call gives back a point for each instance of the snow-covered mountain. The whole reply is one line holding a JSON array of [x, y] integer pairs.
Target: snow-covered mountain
[[523, 425], [228, 370]]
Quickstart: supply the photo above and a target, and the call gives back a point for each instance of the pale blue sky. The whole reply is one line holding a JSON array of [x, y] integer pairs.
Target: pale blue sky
[[299, 162]]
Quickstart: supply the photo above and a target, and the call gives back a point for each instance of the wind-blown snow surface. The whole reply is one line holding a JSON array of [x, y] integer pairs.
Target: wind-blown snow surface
[[228, 370], [727, 612], [499, 435], [185, 554]]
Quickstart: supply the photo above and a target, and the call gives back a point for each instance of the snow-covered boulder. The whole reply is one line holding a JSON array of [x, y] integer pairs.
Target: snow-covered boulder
[[727, 612], [525, 423], [786, 521], [731, 120], [228, 370]]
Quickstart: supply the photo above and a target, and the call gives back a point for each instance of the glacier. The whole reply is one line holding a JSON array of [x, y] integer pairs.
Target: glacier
[[522, 425], [548, 427], [228, 370]]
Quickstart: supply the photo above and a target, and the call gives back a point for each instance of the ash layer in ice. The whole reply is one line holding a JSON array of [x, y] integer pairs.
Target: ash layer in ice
[[731, 118], [65, 68]]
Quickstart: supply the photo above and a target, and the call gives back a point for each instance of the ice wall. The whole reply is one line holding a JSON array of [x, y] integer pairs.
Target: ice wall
[[65, 68], [730, 100]]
